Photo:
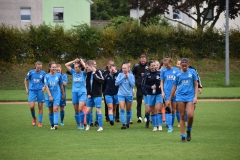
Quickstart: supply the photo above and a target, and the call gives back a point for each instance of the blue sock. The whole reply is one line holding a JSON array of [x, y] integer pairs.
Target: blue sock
[[110, 116], [173, 118], [157, 119], [33, 114], [77, 118], [40, 118], [178, 116], [153, 117], [160, 119], [186, 116], [62, 114], [147, 116], [100, 119], [122, 116], [96, 120], [167, 116], [114, 117], [91, 117], [169, 120], [189, 128], [88, 118], [81, 118], [128, 117], [183, 135], [131, 114], [55, 118], [51, 118]]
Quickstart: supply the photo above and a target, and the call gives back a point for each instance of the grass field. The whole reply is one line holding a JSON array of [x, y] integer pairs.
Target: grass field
[[215, 135]]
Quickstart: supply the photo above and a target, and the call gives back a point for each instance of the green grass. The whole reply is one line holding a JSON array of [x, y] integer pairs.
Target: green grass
[[215, 135]]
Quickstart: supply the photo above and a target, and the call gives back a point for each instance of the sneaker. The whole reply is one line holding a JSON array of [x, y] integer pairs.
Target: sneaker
[[34, 121], [112, 123], [56, 127], [81, 127], [188, 135], [145, 119], [147, 124], [160, 128], [183, 139], [123, 126], [154, 129], [178, 125], [39, 124], [87, 128], [61, 123], [100, 129], [139, 119], [127, 126], [131, 122], [52, 128], [170, 129], [91, 124], [96, 124]]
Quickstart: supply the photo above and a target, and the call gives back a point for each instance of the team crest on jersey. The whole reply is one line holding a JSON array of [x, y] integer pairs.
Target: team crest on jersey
[[174, 72], [190, 75], [41, 76], [56, 78], [157, 77], [146, 67]]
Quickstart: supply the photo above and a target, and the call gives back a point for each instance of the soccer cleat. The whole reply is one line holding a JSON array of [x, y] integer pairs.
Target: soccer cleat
[[188, 135], [123, 126], [127, 126], [183, 139], [160, 128], [154, 129], [96, 124], [145, 119], [147, 124], [139, 119], [91, 124], [52, 128], [112, 123], [178, 125], [100, 129], [34, 121], [87, 128], [81, 127], [56, 127], [62, 124], [131, 122], [170, 129], [39, 124]]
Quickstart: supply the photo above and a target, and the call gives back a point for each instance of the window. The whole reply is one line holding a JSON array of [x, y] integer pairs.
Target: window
[[25, 14], [177, 15], [210, 14], [58, 14]]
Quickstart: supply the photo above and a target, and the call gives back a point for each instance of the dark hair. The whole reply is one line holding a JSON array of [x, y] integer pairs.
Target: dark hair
[[112, 65], [184, 60], [125, 61], [79, 64], [150, 62], [143, 56], [50, 65], [161, 63]]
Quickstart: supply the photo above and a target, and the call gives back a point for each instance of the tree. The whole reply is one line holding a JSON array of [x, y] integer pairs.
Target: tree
[[201, 9]]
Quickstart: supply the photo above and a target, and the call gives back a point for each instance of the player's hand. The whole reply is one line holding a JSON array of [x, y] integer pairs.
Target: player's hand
[[89, 96], [93, 69], [199, 90], [51, 99], [195, 100], [43, 88], [63, 96], [153, 86], [168, 103], [64, 83], [76, 60], [125, 75], [27, 91], [163, 95]]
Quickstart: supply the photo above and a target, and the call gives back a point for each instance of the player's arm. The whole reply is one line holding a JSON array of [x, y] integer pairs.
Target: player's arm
[[161, 87], [62, 89], [26, 85], [174, 88], [68, 64], [49, 94], [196, 92]]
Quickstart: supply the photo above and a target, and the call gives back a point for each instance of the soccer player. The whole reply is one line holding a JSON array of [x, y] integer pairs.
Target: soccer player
[[94, 82], [126, 82], [79, 95], [34, 86], [187, 91], [63, 101], [138, 71], [168, 76], [111, 91], [54, 87], [151, 85]]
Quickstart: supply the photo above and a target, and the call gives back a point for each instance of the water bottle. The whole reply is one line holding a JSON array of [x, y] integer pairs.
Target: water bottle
[[154, 91]]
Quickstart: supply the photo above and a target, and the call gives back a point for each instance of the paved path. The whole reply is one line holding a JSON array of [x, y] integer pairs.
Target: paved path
[[200, 100]]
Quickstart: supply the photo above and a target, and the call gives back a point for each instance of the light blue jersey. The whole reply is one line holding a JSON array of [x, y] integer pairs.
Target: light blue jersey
[[78, 81], [36, 80], [125, 84], [185, 85], [53, 82]]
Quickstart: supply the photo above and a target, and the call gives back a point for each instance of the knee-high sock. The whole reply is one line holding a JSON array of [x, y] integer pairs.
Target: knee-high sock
[[96, 119], [160, 119], [62, 114], [189, 128], [40, 116], [178, 116], [153, 117], [157, 119], [122, 112], [91, 117], [110, 116], [100, 120], [77, 118], [131, 113], [147, 116], [33, 114], [81, 117], [128, 117], [55, 118], [88, 118], [169, 119], [51, 119], [173, 118]]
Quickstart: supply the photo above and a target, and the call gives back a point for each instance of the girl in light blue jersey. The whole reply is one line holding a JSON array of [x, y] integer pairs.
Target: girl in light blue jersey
[[55, 92], [34, 85], [63, 101], [126, 82], [187, 91], [79, 95]]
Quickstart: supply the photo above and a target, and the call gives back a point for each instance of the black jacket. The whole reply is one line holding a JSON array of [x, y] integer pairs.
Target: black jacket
[[109, 87], [137, 71], [98, 80], [149, 79], [199, 80]]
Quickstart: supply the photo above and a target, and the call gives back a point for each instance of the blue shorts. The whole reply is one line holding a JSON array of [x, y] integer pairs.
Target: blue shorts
[[111, 99], [125, 98], [145, 99], [78, 97], [154, 99], [63, 102], [33, 95], [94, 101], [168, 96], [56, 102]]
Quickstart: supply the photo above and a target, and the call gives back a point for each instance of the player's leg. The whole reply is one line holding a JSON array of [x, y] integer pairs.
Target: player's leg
[[190, 112], [32, 95], [181, 108], [109, 102], [90, 104], [81, 104], [139, 103], [50, 115], [40, 98], [128, 100], [158, 107], [151, 99], [75, 103], [177, 114], [174, 106], [169, 116], [56, 104], [98, 104], [121, 101]]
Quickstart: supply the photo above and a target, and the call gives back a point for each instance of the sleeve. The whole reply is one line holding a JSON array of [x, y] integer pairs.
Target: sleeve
[[44, 74], [131, 80], [175, 82], [199, 80], [98, 76], [46, 80], [143, 84], [119, 79], [195, 77], [28, 76], [134, 69], [65, 78]]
